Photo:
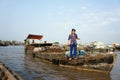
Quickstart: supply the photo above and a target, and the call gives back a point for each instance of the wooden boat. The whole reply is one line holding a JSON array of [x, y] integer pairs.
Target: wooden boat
[[8, 74], [98, 62], [117, 48]]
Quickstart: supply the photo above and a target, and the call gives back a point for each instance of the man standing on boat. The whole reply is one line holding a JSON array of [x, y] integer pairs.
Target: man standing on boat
[[72, 39]]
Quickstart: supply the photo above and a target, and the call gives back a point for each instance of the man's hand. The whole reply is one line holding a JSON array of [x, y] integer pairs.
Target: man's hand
[[68, 43], [78, 38]]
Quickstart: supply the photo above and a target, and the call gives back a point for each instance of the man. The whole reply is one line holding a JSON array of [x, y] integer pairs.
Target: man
[[72, 39]]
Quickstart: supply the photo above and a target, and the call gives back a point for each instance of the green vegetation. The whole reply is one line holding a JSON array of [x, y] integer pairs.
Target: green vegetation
[[56, 43]]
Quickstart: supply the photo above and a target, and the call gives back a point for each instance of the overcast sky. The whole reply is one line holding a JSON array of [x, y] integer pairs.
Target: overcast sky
[[94, 20]]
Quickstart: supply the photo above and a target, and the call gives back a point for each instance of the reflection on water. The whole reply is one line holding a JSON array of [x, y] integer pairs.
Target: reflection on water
[[34, 69]]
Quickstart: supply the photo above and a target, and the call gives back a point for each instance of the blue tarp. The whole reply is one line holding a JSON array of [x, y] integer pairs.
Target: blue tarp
[[81, 52]]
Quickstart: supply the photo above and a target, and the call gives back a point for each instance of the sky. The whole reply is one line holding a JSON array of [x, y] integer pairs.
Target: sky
[[94, 20]]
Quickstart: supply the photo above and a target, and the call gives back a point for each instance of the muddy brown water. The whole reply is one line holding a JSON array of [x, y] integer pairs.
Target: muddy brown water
[[34, 69]]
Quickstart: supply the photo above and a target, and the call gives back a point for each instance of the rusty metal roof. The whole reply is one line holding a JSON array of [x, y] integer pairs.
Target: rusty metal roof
[[32, 36]]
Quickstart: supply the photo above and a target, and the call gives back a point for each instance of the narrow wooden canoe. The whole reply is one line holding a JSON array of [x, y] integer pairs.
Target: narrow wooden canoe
[[8, 74]]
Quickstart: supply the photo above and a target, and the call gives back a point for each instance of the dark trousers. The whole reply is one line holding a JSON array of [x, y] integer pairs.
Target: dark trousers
[[73, 47]]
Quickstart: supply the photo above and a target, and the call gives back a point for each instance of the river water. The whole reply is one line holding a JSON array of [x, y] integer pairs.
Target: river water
[[33, 69]]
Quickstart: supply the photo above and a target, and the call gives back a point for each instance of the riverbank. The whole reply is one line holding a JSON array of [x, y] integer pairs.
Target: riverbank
[[10, 43]]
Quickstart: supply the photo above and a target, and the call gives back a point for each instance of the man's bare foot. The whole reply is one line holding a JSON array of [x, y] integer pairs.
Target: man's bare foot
[[70, 59], [75, 58]]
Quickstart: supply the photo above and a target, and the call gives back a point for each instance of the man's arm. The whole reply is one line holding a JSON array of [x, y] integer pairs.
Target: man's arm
[[68, 43], [77, 37]]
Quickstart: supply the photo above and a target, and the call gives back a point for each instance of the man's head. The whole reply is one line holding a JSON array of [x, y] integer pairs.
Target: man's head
[[73, 31]]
